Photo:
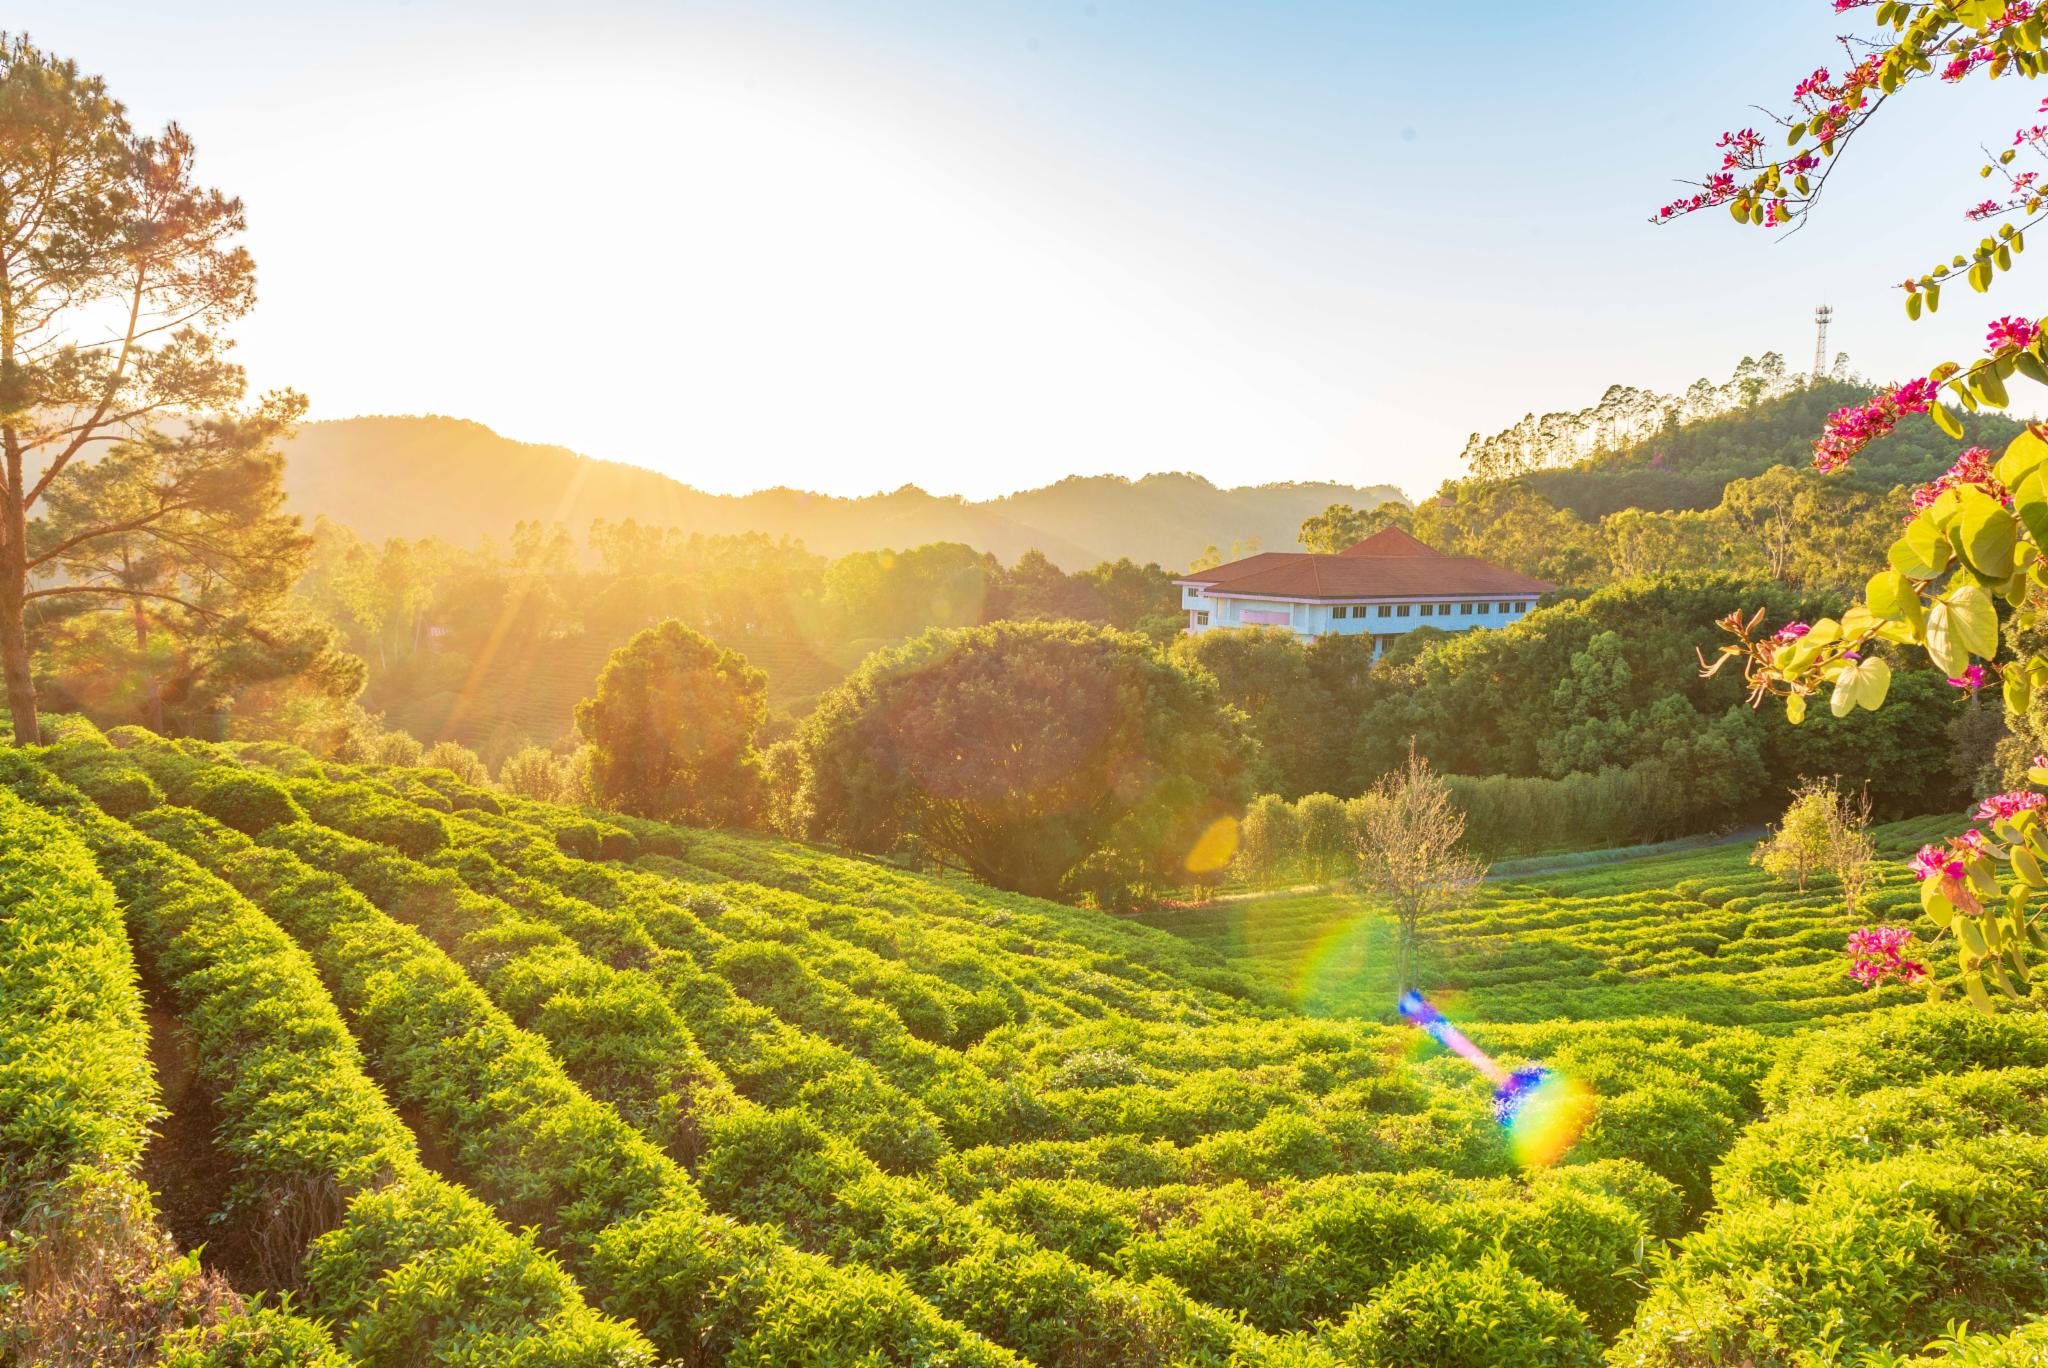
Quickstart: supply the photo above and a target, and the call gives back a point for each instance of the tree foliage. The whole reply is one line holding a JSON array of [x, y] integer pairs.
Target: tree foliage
[[1024, 751], [1412, 855], [137, 480], [671, 729]]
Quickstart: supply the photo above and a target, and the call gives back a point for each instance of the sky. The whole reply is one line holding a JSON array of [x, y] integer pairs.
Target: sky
[[977, 246]]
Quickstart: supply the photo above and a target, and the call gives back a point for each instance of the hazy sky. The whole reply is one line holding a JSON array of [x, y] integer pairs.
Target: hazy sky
[[978, 245]]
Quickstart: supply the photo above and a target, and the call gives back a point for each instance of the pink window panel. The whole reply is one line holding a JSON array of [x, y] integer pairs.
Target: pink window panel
[[1266, 617]]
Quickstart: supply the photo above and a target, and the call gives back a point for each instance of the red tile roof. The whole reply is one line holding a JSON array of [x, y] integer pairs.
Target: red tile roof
[[1388, 564], [1390, 541]]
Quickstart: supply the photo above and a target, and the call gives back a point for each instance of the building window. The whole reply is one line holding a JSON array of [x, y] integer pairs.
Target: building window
[[1521, 607], [1386, 610], [1427, 609], [1500, 608], [1195, 592], [1443, 609], [1201, 619], [1401, 610], [1465, 609], [1340, 611]]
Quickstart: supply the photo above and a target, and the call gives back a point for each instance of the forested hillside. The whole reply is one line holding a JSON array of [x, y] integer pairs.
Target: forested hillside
[[459, 481]]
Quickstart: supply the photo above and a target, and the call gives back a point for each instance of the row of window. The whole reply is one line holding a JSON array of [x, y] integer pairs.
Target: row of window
[[1426, 609]]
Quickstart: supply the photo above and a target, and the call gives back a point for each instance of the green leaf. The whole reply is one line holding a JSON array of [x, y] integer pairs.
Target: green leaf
[[1888, 593], [1974, 987], [1842, 701], [1986, 534], [2027, 867], [1961, 623], [1943, 419], [2023, 454], [1923, 552], [2030, 501], [1795, 708], [1989, 387], [2017, 693], [1913, 306], [1976, 616], [1873, 681]]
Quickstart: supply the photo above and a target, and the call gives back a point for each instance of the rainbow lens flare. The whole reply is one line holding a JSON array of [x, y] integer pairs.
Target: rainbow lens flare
[[1542, 1112]]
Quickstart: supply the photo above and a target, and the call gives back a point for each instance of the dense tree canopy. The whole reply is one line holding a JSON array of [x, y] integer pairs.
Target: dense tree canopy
[[671, 729], [1024, 751]]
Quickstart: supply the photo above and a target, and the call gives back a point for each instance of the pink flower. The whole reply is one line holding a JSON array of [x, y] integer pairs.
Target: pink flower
[[1936, 862], [1851, 429], [1791, 631], [1973, 467], [1877, 953], [2009, 331], [2010, 805], [1971, 679]]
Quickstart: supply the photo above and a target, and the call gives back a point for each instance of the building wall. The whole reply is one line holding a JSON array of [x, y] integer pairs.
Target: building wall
[[1308, 619]]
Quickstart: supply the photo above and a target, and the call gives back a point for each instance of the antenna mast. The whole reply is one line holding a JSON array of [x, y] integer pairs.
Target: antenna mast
[[1820, 340]]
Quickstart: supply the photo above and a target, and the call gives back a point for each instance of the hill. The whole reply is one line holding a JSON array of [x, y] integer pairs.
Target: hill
[[432, 476], [763, 1103], [1687, 464]]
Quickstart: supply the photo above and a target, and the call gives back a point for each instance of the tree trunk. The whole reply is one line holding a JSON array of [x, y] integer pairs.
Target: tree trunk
[[14, 666]]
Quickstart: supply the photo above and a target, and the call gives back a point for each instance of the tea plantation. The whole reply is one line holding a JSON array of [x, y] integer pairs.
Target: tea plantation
[[451, 1077]]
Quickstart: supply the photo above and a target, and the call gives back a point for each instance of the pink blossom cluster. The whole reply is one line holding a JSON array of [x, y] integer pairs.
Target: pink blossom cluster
[[1791, 631], [2010, 331], [1878, 953], [1851, 429], [1949, 861], [1971, 679], [2007, 806], [1973, 467], [1984, 210], [1967, 63], [1719, 189], [1739, 147]]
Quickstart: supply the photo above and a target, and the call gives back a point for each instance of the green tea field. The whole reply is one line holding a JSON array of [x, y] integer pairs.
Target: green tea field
[[319, 1063]]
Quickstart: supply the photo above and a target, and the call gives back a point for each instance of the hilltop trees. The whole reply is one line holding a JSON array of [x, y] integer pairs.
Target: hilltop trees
[[1039, 756], [1341, 525], [136, 478], [671, 729]]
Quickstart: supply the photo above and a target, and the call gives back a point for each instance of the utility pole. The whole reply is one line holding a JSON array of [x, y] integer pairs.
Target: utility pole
[[1820, 340]]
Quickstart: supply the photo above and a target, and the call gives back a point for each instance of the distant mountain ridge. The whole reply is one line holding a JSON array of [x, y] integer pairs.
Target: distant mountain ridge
[[454, 478]]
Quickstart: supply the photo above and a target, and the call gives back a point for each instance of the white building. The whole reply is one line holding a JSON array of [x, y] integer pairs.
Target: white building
[[1387, 584]]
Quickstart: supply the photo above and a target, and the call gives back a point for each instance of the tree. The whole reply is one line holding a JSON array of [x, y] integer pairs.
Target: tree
[[1264, 673], [117, 275], [459, 760], [1975, 536], [1411, 854], [1341, 525], [672, 727], [1327, 847], [535, 772], [1851, 855], [1800, 843], [1269, 840], [1038, 756]]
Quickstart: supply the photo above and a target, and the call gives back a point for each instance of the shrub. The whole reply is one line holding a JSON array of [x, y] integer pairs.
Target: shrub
[[395, 748], [242, 799], [1446, 1313], [459, 760], [537, 773], [363, 812]]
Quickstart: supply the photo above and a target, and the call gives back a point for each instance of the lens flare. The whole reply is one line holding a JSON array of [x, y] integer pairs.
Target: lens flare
[[1214, 847], [1542, 1112]]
